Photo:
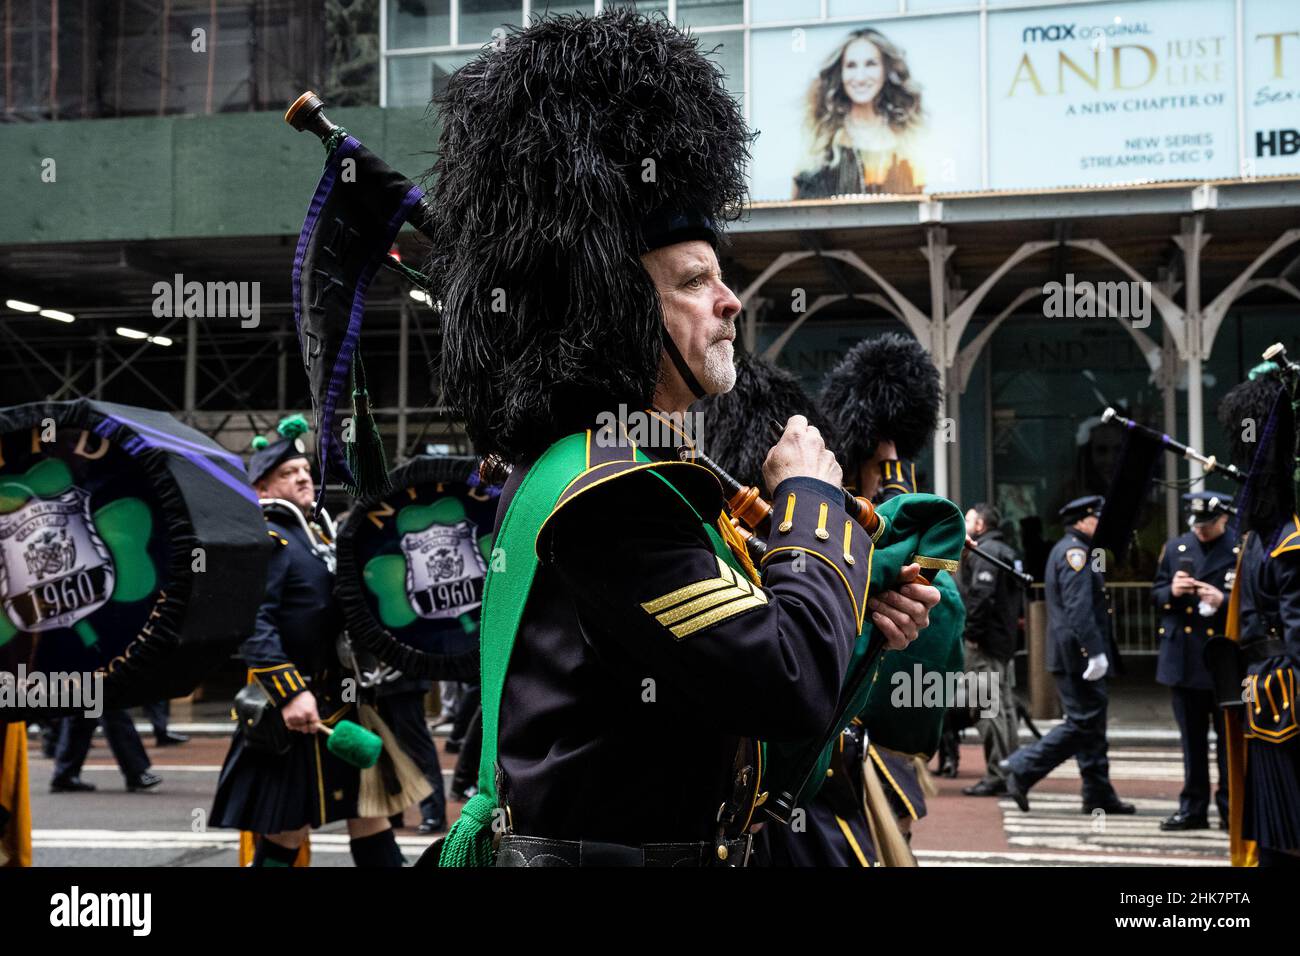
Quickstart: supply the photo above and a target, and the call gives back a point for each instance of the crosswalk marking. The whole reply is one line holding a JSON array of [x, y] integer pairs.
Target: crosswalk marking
[[1055, 821]]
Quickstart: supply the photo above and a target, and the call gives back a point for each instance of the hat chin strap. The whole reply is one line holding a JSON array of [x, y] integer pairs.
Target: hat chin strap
[[683, 369]]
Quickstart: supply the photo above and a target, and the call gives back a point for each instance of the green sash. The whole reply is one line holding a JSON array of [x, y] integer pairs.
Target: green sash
[[505, 594]]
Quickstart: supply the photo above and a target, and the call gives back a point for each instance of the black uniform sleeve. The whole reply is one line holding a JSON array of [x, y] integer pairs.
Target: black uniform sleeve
[[746, 659], [981, 596], [898, 477], [263, 651], [1080, 610], [1285, 573]]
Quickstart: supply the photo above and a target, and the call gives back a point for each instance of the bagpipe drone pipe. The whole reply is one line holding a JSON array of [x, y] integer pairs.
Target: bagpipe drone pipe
[[131, 549], [412, 564]]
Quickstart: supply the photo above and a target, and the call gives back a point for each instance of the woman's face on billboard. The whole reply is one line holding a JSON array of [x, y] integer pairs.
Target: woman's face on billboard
[[862, 71]]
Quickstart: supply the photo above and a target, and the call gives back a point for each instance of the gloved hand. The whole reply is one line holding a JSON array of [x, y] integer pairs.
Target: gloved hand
[[1097, 667]]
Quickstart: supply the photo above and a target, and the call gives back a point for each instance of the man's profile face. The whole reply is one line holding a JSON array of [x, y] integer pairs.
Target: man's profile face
[[699, 311], [974, 524], [290, 480], [871, 475], [1087, 525]]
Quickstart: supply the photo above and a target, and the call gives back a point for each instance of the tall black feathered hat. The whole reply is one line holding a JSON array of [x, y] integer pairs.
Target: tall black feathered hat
[[741, 426], [885, 388], [1259, 422], [568, 148]]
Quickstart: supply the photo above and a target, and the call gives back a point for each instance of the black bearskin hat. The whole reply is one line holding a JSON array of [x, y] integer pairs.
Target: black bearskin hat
[[884, 388], [560, 144], [1258, 422], [738, 429]]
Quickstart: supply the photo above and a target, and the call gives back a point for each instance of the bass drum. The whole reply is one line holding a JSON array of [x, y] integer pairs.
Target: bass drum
[[412, 565], [131, 549]]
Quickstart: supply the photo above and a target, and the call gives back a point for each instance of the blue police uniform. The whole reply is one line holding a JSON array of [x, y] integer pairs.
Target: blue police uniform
[[291, 650], [1182, 633], [1078, 628]]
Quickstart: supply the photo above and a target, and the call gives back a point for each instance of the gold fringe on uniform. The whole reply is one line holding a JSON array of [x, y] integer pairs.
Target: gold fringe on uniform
[[891, 847], [1242, 852], [16, 838], [375, 799]]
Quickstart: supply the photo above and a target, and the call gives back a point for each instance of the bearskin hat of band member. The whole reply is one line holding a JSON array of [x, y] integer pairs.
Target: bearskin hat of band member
[[1260, 426], [562, 145], [742, 425], [885, 388]]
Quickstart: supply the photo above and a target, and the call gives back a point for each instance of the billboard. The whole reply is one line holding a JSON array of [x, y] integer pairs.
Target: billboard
[[1059, 96]]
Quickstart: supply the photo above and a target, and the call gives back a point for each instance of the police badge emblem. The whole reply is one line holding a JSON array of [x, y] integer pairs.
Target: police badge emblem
[[444, 570], [413, 565], [1076, 558], [55, 569]]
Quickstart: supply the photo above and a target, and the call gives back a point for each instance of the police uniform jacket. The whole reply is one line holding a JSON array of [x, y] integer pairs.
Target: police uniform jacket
[[299, 620], [1182, 631], [1078, 617], [992, 597], [642, 659]]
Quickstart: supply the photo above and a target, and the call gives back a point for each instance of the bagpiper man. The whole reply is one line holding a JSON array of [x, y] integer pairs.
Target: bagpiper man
[[1267, 787], [281, 792], [1190, 593], [1080, 653], [631, 652]]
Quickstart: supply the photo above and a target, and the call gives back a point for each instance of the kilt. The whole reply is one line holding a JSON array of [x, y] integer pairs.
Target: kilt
[[268, 793]]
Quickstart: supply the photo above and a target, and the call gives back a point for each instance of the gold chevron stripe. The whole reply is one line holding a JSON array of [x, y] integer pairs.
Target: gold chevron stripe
[[672, 598], [718, 614], [703, 604]]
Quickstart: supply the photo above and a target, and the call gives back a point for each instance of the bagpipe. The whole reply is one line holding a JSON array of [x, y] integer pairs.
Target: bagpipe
[[132, 551], [906, 529], [747, 504], [359, 206]]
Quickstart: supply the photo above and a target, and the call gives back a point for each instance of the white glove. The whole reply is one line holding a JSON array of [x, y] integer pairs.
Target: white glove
[[1097, 667]]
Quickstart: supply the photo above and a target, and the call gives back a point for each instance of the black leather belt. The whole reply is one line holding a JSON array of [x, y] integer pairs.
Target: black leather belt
[[516, 850], [1257, 651]]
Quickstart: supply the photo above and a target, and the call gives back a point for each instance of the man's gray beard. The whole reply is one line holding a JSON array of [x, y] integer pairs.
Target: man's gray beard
[[719, 368]]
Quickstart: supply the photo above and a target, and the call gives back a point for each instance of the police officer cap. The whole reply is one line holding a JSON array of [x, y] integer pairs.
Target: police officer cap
[[271, 454], [1206, 505], [1081, 508]]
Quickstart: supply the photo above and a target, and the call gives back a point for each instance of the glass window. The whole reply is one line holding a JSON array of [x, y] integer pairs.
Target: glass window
[[539, 8], [417, 23], [730, 55], [860, 8], [641, 6], [768, 11], [919, 5], [413, 80], [708, 13], [478, 18]]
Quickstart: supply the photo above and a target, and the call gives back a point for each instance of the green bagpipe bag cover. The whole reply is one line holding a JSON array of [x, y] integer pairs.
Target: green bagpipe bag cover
[[919, 529], [901, 712]]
